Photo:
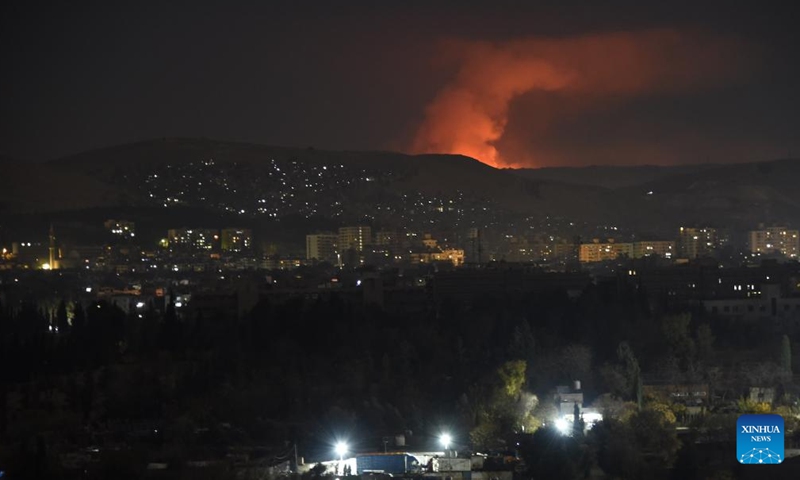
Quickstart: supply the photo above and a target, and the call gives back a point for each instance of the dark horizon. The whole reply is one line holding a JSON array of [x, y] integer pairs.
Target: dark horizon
[[153, 140]]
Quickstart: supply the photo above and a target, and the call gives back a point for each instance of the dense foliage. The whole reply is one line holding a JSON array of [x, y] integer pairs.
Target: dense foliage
[[309, 369]]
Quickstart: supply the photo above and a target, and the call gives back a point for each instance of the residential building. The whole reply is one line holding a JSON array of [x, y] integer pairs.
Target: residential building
[[602, 251], [193, 238], [236, 240], [322, 247], [453, 255], [775, 240], [429, 242], [662, 248], [765, 304], [354, 238], [696, 242]]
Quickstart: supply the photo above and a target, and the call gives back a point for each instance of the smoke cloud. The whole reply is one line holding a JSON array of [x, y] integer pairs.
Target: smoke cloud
[[469, 115]]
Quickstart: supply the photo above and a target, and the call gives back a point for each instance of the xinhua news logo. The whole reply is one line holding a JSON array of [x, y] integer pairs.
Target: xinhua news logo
[[759, 439]]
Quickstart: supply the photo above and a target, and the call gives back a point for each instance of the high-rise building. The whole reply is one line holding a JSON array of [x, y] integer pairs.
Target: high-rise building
[[236, 239], [696, 242], [193, 238], [322, 247], [354, 238], [775, 239]]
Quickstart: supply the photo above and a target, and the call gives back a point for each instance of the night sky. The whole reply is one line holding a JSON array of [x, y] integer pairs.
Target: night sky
[[519, 84]]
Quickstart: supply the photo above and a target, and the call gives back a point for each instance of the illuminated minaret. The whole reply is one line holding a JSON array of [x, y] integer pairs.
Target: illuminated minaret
[[52, 248]]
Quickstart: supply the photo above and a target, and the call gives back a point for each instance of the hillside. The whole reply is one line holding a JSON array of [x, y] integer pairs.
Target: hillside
[[611, 177], [255, 182], [741, 195], [277, 181]]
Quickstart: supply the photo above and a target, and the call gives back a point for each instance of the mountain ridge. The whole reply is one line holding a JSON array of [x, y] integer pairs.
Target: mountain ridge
[[274, 180]]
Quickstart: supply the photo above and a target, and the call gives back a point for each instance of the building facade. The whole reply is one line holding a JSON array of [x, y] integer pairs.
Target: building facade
[[354, 238], [451, 255], [193, 238], [602, 251], [662, 248], [775, 240], [322, 247], [696, 242], [765, 304], [236, 240]]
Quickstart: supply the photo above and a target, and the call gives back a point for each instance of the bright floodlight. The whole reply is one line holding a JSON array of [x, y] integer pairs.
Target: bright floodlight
[[445, 439], [562, 425], [341, 449]]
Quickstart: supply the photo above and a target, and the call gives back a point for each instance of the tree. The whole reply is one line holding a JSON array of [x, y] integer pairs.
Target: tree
[[170, 334], [575, 362], [62, 322], [761, 374], [633, 373], [704, 340], [522, 343], [549, 454], [675, 329], [786, 355], [688, 463], [512, 376], [616, 450], [637, 448], [504, 408], [745, 405]]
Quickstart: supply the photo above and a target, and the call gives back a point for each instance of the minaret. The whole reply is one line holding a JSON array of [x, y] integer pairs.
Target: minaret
[[52, 248]]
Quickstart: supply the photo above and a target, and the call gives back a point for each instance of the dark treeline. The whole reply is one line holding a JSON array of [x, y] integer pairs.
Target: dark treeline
[[310, 370]]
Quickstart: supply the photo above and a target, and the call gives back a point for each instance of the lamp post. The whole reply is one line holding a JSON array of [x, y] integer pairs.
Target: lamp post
[[446, 439], [341, 450]]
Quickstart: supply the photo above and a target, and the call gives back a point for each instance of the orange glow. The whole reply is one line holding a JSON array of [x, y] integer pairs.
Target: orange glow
[[469, 115]]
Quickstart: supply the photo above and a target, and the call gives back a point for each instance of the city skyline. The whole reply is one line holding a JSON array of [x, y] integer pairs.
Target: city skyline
[[306, 240]]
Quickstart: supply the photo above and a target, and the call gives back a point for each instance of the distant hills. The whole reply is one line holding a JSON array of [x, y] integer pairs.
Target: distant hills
[[271, 182], [104, 177], [609, 176]]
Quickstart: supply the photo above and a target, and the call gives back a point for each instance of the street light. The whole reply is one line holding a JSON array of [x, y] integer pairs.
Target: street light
[[562, 425], [445, 438], [341, 449]]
